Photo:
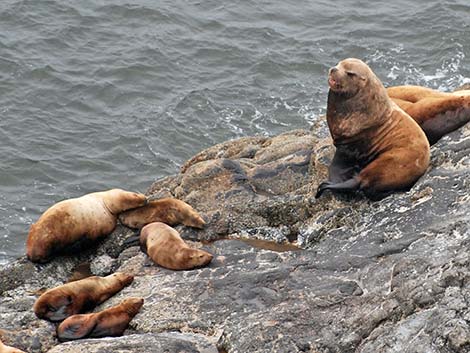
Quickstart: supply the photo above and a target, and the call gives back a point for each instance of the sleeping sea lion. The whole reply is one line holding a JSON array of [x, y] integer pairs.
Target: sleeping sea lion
[[438, 113], [109, 322], [168, 210], [165, 247], [85, 218], [379, 148], [80, 296]]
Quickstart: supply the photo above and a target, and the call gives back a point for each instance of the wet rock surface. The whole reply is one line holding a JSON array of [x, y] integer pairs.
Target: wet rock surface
[[384, 276]]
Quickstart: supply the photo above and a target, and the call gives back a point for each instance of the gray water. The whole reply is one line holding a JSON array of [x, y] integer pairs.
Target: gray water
[[98, 94]]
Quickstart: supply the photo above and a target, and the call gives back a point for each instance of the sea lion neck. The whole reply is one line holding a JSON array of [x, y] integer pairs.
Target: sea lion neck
[[349, 115]]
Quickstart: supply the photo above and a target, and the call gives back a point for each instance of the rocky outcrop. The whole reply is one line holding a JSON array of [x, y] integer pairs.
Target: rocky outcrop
[[385, 276]]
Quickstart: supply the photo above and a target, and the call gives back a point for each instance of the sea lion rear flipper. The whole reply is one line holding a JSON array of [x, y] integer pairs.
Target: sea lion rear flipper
[[113, 325], [446, 122], [76, 327]]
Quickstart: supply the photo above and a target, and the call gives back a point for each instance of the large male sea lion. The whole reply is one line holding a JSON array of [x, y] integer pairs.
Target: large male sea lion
[[438, 113], [165, 247], [168, 210], [89, 217], [109, 322], [77, 297], [7, 349], [379, 148]]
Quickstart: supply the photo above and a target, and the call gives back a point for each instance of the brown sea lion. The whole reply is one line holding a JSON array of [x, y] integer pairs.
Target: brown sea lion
[[379, 148], [85, 218], [80, 296], [168, 210], [438, 113], [109, 322], [7, 349], [165, 247]]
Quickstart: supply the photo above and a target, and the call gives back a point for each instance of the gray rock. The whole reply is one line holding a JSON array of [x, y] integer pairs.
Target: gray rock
[[385, 276], [148, 343]]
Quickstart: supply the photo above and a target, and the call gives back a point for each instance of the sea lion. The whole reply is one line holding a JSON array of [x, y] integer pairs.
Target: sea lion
[[77, 297], [165, 247], [379, 148], [7, 349], [168, 210], [109, 322], [82, 219], [438, 113]]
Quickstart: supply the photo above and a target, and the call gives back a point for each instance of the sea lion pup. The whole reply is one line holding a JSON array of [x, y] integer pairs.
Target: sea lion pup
[[168, 210], [80, 296], [109, 322], [85, 218], [438, 113], [7, 349], [379, 148], [165, 247]]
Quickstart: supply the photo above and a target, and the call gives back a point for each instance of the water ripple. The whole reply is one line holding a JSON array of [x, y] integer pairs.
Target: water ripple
[[95, 95]]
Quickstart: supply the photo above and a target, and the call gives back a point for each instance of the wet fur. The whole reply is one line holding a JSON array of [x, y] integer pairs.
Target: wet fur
[[438, 113], [84, 219], [110, 322], [170, 211], [379, 148], [165, 247], [80, 296]]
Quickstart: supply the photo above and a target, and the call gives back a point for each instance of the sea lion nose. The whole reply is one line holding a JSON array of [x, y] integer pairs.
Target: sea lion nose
[[333, 70]]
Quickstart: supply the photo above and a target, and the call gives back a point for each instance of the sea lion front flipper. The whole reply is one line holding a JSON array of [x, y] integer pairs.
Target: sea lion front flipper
[[348, 185], [76, 327], [59, 310]]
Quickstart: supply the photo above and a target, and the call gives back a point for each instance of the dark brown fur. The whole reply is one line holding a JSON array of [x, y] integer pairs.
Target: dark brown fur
[[379, 148], [438, 113], [80, 296], [165, 247], [110, 322], [168, 210]]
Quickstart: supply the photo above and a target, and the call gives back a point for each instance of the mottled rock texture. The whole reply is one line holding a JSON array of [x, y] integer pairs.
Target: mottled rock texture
[[384, 276]]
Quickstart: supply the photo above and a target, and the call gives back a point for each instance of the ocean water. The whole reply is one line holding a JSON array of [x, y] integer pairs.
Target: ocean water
[[99, 94]]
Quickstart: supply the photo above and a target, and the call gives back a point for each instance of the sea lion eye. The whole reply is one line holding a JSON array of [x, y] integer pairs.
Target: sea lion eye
[[351, 73]]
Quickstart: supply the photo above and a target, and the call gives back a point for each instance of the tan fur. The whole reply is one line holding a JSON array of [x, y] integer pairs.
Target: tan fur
[[89, 217], [7, 349], [165, 247], [169, 211], [77, 297], [109, 322], [438, 113], [380, 148]]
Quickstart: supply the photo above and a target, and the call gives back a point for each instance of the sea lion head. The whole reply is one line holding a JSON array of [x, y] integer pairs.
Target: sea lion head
[[123, 278], [132, 305], [168, 210], [357, 101], [39, 250], [118, 200], [193, 258], [349, 77], [189, 217]]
